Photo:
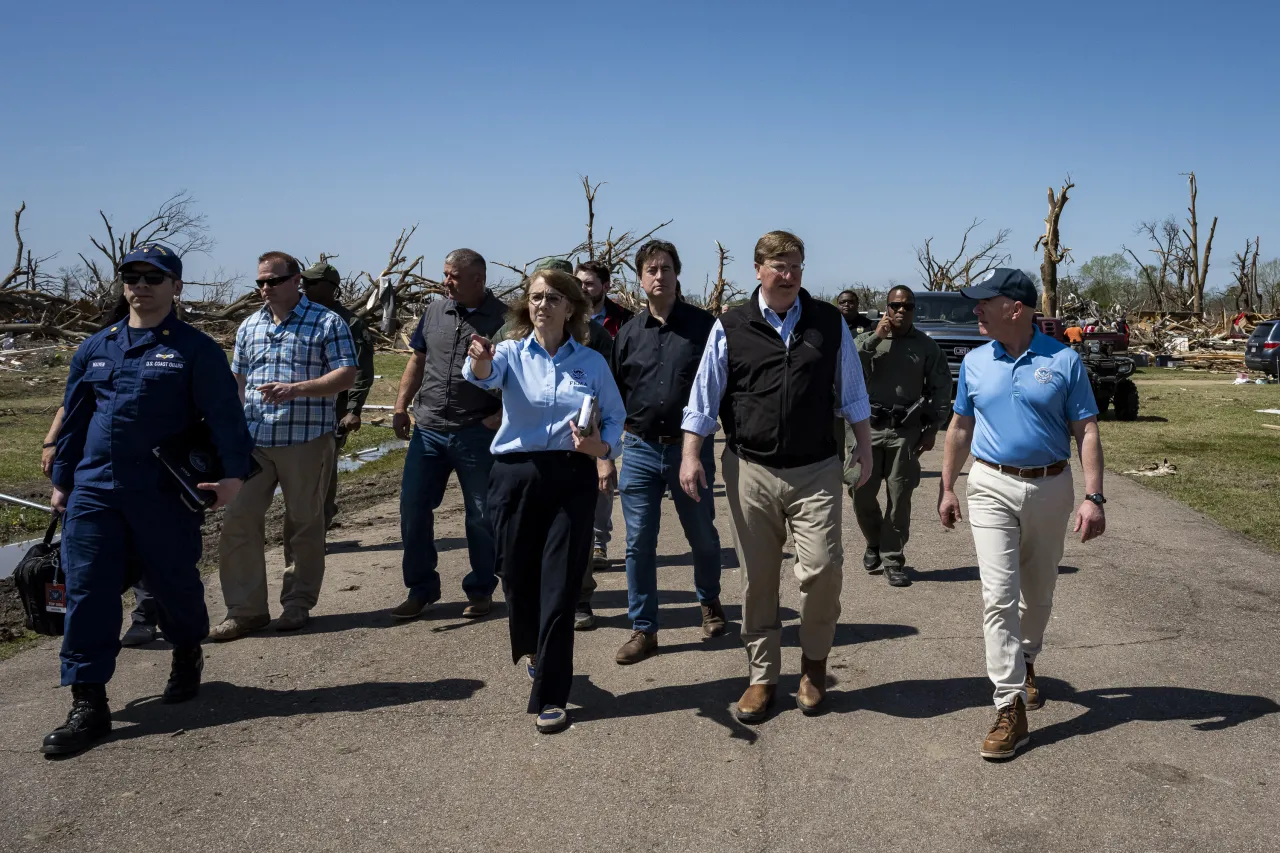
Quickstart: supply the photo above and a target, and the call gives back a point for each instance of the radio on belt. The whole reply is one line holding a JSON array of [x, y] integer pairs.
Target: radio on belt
[[587, 416]]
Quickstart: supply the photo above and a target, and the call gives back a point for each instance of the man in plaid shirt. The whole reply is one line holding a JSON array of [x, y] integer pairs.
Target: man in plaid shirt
[[291, 359]]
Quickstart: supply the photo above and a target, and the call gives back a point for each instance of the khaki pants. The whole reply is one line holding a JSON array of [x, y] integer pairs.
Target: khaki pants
[[302, 471], [1018, 528], [763, 503]]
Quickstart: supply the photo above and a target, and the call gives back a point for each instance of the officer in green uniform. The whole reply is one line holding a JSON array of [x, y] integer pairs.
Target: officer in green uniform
[[909, 384], [321, 282]]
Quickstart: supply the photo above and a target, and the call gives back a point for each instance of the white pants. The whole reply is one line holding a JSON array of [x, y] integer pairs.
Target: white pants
[[1018, 531]]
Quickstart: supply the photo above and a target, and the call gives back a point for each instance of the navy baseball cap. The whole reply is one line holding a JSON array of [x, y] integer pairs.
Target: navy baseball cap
[[1003, 281], [161, 257]]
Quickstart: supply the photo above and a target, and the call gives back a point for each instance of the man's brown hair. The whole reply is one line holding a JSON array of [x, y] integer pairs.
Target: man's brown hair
[[597, 268], [289, 260], [653, 247], [777, 243]]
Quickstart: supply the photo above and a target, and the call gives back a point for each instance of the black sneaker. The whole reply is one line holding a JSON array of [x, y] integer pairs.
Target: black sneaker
[[871, 559], [584, 619], [139, 634], [89, 721], [184, 674], [896, 576]]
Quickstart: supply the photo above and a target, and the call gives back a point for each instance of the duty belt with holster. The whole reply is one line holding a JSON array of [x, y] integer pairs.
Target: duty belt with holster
[[896, 417]]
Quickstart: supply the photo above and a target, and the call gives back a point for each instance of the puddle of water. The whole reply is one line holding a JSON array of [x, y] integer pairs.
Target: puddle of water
[[11, 555], [354, 461]]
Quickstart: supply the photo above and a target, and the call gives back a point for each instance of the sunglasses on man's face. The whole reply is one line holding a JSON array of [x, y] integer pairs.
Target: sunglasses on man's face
[[272, 282], [902, 306], [151, 278]]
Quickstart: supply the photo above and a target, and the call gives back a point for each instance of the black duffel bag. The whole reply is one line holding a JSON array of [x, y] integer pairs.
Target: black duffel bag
[[42, 584]]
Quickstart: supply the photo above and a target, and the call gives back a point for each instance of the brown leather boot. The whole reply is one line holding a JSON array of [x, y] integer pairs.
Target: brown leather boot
[[1035, 701], [1009, 734], [754, 705], [639, 647], [713, 621], [813, 684]]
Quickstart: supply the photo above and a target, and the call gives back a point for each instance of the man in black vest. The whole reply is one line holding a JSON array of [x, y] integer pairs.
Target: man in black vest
[[774, 370]]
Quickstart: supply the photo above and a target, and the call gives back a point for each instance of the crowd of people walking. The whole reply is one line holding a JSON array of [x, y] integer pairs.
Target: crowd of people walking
[[545, 410]]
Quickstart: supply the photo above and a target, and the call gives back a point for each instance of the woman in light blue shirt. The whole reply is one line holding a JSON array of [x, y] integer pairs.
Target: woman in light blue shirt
[[542, 488]]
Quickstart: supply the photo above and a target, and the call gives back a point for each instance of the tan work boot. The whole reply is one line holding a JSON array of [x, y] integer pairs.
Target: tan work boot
[[1035, 700], [639, 647], [1009, 734], [754, 705], [477, 607], [233, 628], [713, 621], [292, 619], [813, 684]]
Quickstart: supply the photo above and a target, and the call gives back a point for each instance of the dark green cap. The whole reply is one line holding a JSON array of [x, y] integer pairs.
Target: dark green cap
[[323, 272], [554, 264]]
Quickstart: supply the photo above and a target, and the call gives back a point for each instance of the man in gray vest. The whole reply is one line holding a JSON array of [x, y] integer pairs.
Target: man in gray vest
[[453, 426]]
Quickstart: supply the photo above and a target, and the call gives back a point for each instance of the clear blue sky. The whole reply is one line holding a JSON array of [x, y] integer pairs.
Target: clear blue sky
[[328, 126]]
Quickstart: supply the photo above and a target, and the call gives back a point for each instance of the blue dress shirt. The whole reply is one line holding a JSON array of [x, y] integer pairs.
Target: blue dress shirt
[[1023, 408], [713, 373], [543, 394]]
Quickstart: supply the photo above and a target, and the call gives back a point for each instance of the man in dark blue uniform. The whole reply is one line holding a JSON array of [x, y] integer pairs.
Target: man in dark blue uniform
[[131, 387]]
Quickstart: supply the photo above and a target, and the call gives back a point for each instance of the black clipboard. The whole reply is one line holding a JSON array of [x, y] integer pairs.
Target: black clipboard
[[191, 458]]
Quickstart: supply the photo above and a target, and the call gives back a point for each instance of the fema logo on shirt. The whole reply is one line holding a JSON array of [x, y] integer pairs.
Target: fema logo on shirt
[[1044, 375], [579, 375]]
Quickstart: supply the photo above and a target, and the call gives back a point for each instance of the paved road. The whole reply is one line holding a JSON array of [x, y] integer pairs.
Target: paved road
[[1160, 732]]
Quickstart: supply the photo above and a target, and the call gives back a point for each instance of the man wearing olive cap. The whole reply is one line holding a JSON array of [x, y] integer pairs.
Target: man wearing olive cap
[[322, 283]]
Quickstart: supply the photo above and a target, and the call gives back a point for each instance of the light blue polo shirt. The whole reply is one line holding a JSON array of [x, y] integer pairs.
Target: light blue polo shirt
[[1024, 407]]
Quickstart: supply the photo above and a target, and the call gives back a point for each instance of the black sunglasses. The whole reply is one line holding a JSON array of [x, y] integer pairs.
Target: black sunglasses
[[902, 306], [272, 282], [151, 278]]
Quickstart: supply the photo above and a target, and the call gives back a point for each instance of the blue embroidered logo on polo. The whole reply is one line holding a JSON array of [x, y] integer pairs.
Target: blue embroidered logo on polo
[[1044, 375], [579, 375]]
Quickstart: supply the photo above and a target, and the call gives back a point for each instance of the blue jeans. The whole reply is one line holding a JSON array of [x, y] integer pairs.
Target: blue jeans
[[431, 458], [649, 470]]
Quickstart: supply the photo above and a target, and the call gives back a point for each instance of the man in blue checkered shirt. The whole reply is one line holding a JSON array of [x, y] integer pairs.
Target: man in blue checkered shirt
[[291, 359]]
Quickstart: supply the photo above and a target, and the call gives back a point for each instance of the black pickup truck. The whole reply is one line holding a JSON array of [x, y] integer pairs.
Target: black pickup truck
[[948, 318]]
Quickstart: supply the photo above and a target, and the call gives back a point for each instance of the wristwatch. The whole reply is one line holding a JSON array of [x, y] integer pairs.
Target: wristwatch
[[1096, 497]]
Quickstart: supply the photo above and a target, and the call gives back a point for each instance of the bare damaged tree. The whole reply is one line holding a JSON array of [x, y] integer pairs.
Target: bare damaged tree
[[12, 277], [1246, 276], [1054, 252], [175, 223], [591, 213], [961, 269], [1167, 237], [28, 270], [722, 291], [1198, 267], [615, 252]]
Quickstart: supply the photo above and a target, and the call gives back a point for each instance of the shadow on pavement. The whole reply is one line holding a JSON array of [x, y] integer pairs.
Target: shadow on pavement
[[728, 559], [1112, 706], [964, 573], [918, 699], [713, 699], [346, 546], [330, 623], [221, 703]]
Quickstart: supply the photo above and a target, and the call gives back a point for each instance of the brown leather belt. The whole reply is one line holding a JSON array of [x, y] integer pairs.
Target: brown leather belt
[[1028, 473], [679, 439]]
